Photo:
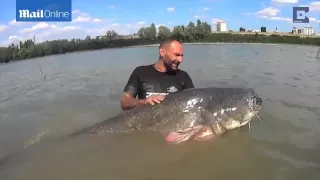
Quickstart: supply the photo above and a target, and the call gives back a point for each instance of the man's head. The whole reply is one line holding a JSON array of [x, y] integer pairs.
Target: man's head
[[171, 53]]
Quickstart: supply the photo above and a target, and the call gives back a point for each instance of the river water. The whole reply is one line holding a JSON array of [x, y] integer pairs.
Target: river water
[[80, 89]]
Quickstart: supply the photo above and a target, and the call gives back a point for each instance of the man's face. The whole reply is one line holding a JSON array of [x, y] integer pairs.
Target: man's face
[[172, 56]]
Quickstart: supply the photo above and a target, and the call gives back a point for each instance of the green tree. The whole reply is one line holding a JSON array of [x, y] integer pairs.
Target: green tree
[[190, 32], [163, 32], [178, 32], [111, 34], [152, 31]]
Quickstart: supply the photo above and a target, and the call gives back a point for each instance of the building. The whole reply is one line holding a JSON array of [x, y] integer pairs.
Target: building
[[304, 31], [256, 31], [308, 30], [295, 30], [221, 26]]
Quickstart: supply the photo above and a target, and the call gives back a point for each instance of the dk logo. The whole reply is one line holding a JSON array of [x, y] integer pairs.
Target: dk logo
[[299, 15]]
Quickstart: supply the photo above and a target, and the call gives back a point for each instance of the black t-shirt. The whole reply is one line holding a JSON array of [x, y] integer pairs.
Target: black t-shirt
[[146, 81]]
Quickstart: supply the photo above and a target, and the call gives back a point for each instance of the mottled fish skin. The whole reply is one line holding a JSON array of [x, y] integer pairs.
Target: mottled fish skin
[[222, 109]]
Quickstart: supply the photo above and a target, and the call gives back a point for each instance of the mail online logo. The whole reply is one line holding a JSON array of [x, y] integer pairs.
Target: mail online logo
[[43, 10], [299, 15]]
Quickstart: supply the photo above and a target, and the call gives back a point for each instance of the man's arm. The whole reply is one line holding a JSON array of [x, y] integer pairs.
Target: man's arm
[[131, 90], [188, 82], [129, 102]]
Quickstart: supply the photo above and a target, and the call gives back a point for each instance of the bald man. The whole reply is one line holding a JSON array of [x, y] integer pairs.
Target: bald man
[[150, 83]]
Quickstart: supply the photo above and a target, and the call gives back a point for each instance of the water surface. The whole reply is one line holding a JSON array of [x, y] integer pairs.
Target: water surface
[[84, 88]]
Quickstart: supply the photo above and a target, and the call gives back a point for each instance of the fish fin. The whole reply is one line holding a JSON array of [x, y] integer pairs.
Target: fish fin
[[208, 119]]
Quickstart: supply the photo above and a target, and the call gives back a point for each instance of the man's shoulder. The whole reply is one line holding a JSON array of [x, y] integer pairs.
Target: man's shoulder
[[183, 72], [143, 68]]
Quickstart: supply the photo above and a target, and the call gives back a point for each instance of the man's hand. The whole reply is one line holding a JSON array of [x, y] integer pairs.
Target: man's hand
[[154, 99]]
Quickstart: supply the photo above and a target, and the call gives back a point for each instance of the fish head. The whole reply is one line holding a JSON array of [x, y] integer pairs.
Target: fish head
[[231, 113], [234, 111], [231, 110]]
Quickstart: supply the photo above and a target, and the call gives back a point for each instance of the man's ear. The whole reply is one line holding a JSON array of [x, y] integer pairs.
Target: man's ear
[[162, 52]]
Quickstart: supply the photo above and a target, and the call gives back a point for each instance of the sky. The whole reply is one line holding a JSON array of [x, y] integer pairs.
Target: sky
[[96, 17]]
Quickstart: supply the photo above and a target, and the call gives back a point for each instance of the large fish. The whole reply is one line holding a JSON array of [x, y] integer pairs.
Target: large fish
[[198, 113]]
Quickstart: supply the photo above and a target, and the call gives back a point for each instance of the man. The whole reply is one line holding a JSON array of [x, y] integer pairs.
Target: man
[[152, 82]]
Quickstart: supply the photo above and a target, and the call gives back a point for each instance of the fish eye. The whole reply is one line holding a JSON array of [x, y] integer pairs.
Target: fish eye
[[252, 102]]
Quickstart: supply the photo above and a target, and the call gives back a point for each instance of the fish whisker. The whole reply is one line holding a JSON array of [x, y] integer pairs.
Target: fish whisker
[[249, 126], [263, 97], [258, 117]]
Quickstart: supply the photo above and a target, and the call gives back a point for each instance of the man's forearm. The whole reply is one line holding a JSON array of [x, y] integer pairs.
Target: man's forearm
[[129, 103]]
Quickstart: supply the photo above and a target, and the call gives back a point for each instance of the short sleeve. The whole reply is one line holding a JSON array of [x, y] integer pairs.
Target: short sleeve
[[132, 86], [188, 81]]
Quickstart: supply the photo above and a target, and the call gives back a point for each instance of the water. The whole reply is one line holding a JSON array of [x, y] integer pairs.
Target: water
[[84, 88]]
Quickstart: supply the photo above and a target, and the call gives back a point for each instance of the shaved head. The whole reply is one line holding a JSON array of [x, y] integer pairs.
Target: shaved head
[[171, 54], [167, 42]]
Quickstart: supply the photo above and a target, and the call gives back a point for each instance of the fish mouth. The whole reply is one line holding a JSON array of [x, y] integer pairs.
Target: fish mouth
[[204, 132], [199, 133]]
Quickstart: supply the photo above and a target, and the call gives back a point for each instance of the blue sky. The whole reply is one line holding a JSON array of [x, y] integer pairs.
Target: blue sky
[[95, 17]]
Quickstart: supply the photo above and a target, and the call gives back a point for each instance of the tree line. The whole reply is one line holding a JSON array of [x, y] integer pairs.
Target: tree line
[[193, 32]]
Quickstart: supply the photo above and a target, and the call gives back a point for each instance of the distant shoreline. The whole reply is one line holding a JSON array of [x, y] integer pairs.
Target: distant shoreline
[[157, 44], [28, 50], [193, 33], [230, 43], [193, 43]]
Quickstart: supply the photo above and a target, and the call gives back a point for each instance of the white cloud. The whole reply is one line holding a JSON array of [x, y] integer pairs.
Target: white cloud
[[285, 1], [269, 11], [112, 6], [39, 26], [246, 13], [51, 32], [215, 20], [122, 29], [54, 32], [77, 12], [82, 26], [315, 6], [3, 28], [171, 9], [199, 17], [136, 25], [262, 4], [200, 10], [314, 20], [288, 20], [115, 24], [276, 18], [12, 39], [15, 23], [81, 19], [65, 32]]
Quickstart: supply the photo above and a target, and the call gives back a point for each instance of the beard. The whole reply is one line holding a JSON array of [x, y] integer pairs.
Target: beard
[[171, 65]]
